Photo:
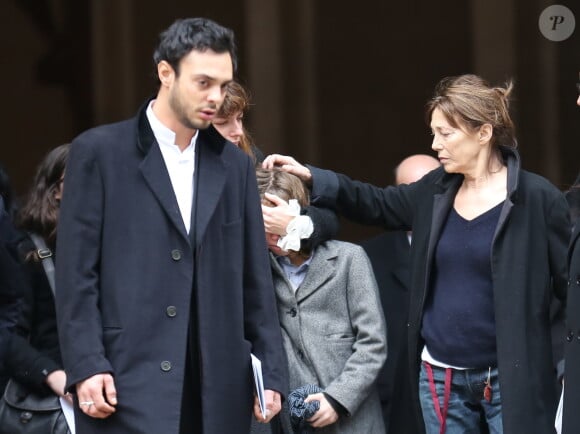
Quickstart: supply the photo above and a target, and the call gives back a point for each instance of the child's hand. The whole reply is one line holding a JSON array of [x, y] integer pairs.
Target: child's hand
[[325, 415]]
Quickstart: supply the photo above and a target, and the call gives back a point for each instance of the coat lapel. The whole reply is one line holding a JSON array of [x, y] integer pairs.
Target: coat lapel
[[155, 172], [442, 203], [574, 239], [284, 293], [513, 164], [401, 271], [320, 270], [211, 172]]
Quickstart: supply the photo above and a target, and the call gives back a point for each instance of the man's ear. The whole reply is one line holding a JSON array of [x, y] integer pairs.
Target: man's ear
[[166, 73]]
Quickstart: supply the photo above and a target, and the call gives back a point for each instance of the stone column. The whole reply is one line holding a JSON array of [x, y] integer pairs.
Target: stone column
[[113, 59]]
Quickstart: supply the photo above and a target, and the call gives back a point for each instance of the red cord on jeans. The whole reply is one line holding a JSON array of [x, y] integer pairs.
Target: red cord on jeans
[[441, 415]]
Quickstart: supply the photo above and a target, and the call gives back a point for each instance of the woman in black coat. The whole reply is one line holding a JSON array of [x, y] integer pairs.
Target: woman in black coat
[[33, 356], [488, 255]]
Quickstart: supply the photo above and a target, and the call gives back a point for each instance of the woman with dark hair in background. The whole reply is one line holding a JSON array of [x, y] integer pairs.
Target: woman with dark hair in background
[[33, 357], [488, 256], [229, 120]]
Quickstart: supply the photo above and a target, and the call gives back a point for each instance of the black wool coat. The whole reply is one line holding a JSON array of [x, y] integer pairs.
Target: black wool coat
[[571, 416], [130, 279], [10, 288], [33, 351], [390, 257], [528, 261]]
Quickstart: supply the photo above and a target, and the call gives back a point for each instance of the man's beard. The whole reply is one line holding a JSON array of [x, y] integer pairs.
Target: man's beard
[[181, 113]]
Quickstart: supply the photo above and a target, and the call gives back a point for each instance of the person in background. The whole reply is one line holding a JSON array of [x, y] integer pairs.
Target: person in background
[[571, 415], [390, 257], [10, 305], [8, 203], [10, 275], [331, 320], [33, 357], [164, 286], [8, 210], [488, 256], [229, 120]]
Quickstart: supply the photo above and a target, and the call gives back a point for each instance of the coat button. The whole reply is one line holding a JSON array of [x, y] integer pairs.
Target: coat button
[[166, 366], [25, 417], [175, 255], [570, 336], [300, 354], [171, 311], [292, 312], [578, 280]]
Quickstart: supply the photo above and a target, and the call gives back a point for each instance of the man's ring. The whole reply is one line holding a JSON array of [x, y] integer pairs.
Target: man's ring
[[89, 403]]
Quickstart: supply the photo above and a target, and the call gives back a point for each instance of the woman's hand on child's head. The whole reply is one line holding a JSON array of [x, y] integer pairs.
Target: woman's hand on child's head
[[288, 164]]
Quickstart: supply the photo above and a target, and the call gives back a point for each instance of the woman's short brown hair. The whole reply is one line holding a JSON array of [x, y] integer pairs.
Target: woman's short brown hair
[[468, 102]]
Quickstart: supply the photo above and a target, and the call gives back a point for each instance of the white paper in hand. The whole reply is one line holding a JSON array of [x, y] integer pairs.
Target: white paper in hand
[[558, 421], [259, 383], [69, 415]]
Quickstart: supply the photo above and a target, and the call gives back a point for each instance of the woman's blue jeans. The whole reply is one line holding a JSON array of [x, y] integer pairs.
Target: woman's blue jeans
[[468, 411]]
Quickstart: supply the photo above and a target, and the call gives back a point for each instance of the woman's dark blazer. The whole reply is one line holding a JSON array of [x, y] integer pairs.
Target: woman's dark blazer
[[528, 262], [571, 416], [34, 352]]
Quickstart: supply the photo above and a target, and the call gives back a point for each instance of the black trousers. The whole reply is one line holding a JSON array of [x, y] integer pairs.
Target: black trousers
[[191, 421]]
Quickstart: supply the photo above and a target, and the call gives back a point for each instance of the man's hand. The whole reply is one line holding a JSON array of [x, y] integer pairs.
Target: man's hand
[[97, 396], [288, 164], [273, 406], [325, 415]]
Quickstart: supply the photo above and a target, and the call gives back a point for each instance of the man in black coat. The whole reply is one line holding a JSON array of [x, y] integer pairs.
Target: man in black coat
[[571, 416], [389, 255], [163, 281]]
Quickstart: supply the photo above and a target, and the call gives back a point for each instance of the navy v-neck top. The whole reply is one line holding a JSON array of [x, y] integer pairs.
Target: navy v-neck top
[[458, 322]]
